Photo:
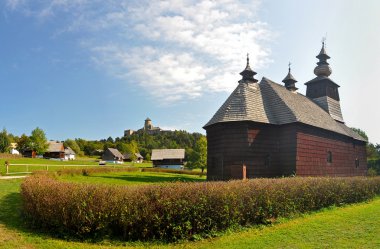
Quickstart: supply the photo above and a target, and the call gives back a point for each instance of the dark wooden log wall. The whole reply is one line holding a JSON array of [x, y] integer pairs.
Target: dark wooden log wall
[[265, 150], [167, 162], [273, 151], [313, 146]]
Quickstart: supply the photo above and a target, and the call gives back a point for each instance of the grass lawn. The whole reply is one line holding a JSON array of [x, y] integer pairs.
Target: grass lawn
[[132, 178], [54, 165], [354, 226]]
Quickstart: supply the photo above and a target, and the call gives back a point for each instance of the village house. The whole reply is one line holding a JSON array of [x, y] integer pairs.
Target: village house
[[55, 150], [69, 154], [138, 156], [168, 158], [269, 130], [112, 155], [14, 150]]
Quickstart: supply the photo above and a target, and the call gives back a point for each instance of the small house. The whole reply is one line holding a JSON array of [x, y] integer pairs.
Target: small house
[[29, 153], [168, 158], [112, 155], [139, 157], [14, 150], [69, 154], [55, 150]]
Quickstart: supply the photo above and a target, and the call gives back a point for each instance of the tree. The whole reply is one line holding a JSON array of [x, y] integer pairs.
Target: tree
[[373, 151], [198, 156], [360, 132], [201, 148], [73, 145], [23, 143], [5, 141], [38, 141], [128, 148]]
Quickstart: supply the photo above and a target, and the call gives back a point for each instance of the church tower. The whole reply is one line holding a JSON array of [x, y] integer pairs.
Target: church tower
[[290, 81], [322, 90]]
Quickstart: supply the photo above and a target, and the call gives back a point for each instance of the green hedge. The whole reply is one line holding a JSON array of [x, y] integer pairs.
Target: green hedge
[[177, 211]]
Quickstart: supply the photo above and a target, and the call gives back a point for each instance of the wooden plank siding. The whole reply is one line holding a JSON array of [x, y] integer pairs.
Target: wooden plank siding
[[260, 147], [313, 146]]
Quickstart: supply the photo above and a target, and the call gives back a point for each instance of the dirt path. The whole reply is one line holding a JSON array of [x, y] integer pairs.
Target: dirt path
[[11, 177]]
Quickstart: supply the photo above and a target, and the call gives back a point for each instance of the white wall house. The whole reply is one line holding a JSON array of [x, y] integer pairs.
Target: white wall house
[[15, 152], [69, 154]]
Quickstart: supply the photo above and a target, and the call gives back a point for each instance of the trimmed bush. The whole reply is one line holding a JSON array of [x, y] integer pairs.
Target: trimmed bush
[[95, 170], [9, 156], [177, 211]]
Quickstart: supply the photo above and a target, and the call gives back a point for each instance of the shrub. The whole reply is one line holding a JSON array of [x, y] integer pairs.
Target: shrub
[[90, 171], [372, 172], [179, 211], [9, 156]]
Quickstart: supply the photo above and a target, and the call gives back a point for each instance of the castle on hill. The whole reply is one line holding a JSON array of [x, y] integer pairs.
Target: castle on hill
[[148, 128]]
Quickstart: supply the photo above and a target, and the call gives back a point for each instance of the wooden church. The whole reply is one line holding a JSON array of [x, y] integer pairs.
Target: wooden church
[[265, 129]]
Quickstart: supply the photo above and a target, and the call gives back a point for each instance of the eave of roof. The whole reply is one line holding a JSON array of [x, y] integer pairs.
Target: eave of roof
[[161, 154]]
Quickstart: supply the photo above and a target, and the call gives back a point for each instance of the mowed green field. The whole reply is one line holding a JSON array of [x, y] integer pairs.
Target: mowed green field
[[37, 164], [354, 226]]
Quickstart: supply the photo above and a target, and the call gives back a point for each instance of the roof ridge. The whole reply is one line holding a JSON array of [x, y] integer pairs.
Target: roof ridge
[[269, 82]]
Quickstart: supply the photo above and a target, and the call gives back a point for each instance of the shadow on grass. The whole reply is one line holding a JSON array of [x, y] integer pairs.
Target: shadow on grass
[[151, 178], [10, 211], [11, 218]]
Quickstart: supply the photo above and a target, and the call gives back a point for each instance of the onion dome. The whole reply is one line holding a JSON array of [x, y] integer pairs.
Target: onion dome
[[323, 68], [290, 81], [248, 74]]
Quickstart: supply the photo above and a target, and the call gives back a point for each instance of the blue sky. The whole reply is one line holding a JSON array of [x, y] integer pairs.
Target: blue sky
[[92, 68]]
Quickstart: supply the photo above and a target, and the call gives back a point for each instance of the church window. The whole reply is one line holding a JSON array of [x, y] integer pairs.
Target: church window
[[357, 163], [329, 157], [267, 160]]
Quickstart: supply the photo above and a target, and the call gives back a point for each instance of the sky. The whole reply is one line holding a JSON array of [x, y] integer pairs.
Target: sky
[[93, 68]]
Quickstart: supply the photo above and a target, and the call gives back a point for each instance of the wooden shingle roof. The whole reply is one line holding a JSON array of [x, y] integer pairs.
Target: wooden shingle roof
[[271, 103], [54, 146], [69, 151], [161, 154], [115, 153]]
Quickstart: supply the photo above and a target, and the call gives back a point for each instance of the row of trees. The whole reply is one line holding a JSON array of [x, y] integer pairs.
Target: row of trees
[[36, 141]]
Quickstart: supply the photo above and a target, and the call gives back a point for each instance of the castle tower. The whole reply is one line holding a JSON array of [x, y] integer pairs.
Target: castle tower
[[322, 90], [148, 124]]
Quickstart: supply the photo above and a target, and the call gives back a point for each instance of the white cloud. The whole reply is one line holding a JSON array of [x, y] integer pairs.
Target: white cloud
[[175, 50]]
